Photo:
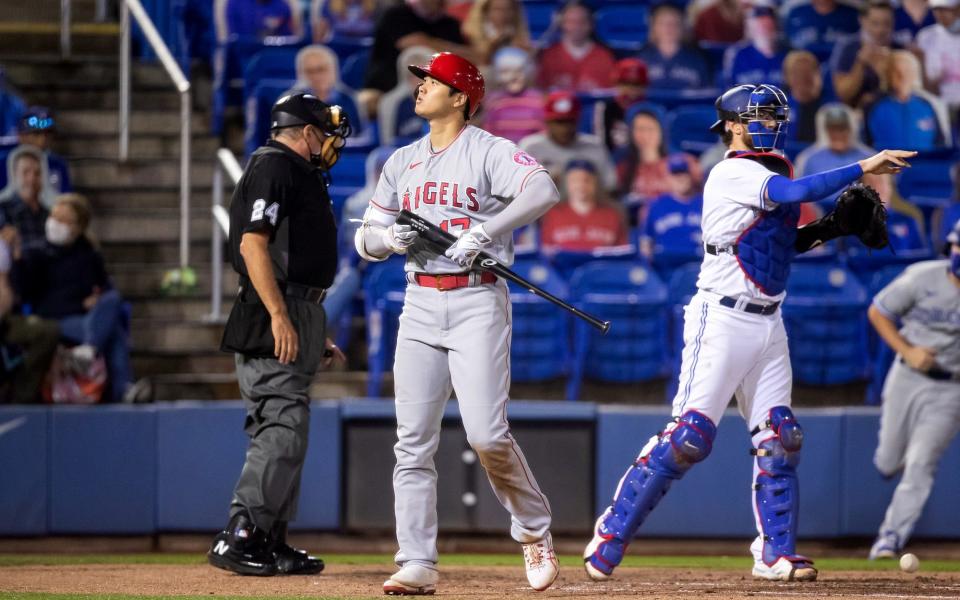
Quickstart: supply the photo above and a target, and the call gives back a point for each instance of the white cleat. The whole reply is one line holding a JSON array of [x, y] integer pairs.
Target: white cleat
[[541, 563], [593, 572], [412, 580], [799, 569]]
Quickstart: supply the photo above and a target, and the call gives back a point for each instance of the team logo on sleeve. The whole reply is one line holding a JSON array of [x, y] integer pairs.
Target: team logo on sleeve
[[522, 158]]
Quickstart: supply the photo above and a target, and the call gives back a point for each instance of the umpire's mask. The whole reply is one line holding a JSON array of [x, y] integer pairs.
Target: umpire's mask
[[326, 128]]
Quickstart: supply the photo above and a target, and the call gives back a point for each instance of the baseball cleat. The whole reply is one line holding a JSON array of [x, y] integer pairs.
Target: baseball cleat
[[242, 548], [293, 561], [793, 568], [541, 563], [596, 566], [412, 580], [885, 546]]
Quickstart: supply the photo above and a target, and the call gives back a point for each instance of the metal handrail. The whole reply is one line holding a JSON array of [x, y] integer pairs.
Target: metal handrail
[[226, 162], [65, 29], [135, 8]]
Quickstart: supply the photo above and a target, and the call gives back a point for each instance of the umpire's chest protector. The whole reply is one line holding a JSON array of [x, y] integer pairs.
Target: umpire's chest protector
[[765, 249]]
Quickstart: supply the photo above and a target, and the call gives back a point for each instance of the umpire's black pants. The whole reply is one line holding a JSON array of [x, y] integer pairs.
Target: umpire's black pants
[[278, 421]]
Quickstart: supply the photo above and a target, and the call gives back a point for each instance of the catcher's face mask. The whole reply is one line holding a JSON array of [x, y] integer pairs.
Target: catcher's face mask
[[331, 139], [767, 117]]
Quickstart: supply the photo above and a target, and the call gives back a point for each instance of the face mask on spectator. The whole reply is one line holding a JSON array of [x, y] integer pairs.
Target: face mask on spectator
[[58, 234]]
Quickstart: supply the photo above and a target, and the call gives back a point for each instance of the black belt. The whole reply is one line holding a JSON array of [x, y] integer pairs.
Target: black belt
[[718, 250], [754, 309], [304, 292], [937, 374]]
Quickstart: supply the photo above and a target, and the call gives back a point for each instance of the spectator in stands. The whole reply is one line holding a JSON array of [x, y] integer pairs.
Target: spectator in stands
[[257, 19], [608, 118], [398, 121], [859, 63], [405, 25], [720, 23], [21, 208], [909, 18], [671, 65], [818, 25], [940, 44], [11, 108], [561, 143], [318, 73], [342, 18], [29, 341], [642, 170], [37, 128], [759, 58], [578, 61], [907, 117], [804, 87], [514, 110], [838, 142], [905, 223], [671, 230], [66, 280], [584, 222], [494, 24]]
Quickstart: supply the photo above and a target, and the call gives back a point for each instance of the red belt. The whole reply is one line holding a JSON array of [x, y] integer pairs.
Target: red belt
[[451, 282]]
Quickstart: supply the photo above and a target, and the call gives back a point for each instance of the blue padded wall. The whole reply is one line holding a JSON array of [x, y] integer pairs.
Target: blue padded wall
[[24, 476]]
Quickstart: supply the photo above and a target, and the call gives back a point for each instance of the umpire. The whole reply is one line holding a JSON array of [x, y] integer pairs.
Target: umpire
[[283, 243]]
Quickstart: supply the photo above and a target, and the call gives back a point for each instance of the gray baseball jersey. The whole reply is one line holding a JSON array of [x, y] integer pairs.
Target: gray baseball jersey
[[928, 304]]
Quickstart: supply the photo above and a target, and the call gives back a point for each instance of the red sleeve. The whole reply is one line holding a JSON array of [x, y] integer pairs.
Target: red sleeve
[[547, 68]]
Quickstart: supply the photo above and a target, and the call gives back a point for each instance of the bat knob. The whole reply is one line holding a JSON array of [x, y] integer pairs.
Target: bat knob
[[606, 327]]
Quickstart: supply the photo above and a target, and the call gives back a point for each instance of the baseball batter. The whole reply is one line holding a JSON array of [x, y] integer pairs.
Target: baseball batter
[[734, 340], [921, 395], [455, 326]]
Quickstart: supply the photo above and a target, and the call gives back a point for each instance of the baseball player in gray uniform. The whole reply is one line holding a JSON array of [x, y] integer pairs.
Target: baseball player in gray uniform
[[921, 396], [455, 326]]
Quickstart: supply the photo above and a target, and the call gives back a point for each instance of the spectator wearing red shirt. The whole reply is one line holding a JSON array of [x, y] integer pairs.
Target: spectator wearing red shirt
[[577, 62], [720, 23], [583, 223]]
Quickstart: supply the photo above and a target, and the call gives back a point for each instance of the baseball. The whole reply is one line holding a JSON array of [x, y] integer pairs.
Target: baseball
[[909, 562]]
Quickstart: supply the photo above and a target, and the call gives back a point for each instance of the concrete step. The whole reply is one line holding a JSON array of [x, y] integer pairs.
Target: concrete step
[[174, 334], [143, 255], [139, 283], [223, 386], [25, 71], [105, 121], [43, 37], [47, 10], [171, 309], [108, 173], [165, 98], [142, 146], [105, 201], [210, 361], [154, 225]]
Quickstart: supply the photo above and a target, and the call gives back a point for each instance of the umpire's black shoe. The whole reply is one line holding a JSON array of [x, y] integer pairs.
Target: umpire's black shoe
[[293, 561], [243, 548]]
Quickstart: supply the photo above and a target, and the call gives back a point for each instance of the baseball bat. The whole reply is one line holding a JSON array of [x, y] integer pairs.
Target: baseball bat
[[442, 240]]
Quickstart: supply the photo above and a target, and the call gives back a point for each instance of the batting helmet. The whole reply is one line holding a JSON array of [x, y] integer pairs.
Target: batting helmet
[[457, 72], [758, 106]]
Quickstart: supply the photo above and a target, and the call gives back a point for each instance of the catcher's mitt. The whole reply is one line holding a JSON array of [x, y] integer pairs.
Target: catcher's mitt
[[860, 212]]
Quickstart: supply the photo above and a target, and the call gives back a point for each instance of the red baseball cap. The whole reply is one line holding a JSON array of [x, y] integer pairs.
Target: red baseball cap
[[562, 105], [631, 71]]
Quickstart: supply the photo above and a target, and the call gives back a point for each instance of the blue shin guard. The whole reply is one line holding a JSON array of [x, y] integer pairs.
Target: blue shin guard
[[665, 459]]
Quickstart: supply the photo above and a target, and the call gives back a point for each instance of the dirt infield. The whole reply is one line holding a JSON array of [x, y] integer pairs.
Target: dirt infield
[[480, 583]]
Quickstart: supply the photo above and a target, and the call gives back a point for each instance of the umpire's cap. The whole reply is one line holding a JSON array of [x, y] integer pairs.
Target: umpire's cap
[[457, 72], [302, 109]]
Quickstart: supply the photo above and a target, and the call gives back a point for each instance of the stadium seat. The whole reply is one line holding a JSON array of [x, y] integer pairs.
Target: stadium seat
[[622, 27], [270, 63], [688, 128], [825, 317], [568, 261], [257, 106], [927, 181], [684, 97], [631, 295], [945, 219], [384, 289], [681, 287], [881, 355], [354, 68], [539, 17], [540, 350]]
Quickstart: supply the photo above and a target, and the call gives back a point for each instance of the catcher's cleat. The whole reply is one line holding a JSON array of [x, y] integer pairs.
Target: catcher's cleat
[[786, 568], [886, 546], [597, 566], [541, 563], [242, 548], [293, 561], [412, 580]]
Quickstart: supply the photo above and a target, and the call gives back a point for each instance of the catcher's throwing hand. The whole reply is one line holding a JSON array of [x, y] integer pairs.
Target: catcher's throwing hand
[[887, 161], [468, 246], [399, 237]]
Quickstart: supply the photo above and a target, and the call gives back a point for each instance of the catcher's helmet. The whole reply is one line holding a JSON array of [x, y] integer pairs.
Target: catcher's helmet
[[457, 72], [757, 106], [306, 109]]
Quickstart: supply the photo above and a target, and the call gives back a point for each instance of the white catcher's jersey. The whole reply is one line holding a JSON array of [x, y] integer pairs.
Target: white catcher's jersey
[[456, 188], [733, 198]]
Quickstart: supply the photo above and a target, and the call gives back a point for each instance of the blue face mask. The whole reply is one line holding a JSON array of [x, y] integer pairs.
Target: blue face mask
[[955, 264]]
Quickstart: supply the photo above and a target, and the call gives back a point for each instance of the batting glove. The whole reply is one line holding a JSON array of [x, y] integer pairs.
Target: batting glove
[[399, 237], [468, 246]]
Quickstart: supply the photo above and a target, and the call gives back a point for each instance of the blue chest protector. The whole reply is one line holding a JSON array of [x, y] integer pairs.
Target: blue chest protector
[[765, 249]]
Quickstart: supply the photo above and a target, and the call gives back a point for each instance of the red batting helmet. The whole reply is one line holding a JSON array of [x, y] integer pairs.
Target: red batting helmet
[[457, 72]]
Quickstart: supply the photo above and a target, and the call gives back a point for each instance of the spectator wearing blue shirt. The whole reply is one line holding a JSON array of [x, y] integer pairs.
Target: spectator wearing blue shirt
[[907, 117], [342, 18], [758, 57], [670, 235], [908, 19], [257, 19], [11, 107], [859, 63], [37, 129], [671, 65], [804, 87], [21, 206], [817, 25], [838, 144]]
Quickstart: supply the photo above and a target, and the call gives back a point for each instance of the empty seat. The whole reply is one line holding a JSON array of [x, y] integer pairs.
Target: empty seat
[[540, 349]]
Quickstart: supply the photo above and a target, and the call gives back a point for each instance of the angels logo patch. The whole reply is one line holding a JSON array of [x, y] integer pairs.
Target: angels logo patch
[[522, 158]]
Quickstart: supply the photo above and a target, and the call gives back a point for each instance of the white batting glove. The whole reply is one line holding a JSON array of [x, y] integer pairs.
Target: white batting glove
[[399, 237], [468, 246]]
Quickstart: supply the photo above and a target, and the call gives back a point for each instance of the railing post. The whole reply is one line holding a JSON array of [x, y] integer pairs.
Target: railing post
[[124, 112], [185, 118], [216, 247], [65, 28]]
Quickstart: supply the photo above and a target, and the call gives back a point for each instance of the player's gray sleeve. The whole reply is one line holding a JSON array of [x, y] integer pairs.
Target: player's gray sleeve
[[538, 196], [899, 296]]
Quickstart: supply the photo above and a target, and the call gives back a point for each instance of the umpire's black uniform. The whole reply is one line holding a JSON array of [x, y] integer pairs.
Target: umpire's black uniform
[[284, 195]]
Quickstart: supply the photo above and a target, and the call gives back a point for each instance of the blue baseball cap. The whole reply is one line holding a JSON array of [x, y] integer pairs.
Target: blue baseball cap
[[36, 119], [581, 165], [677, 163]]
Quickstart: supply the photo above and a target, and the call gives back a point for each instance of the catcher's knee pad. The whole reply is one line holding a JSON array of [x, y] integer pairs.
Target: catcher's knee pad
[[665, 458], [775, 487]]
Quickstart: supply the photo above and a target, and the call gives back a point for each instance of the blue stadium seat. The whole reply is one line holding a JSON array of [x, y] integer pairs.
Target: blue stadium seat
[[350, 169], [928, 180], [345, 47], [688, 128], [354, 68], [881, 355], [539, 17], [946, 219], [540, 349], [826, 322], [676, 98], [568, 261], [632, 297], [384, 288], [270, 63], [622, 27], [257, 106], [681, 287]]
